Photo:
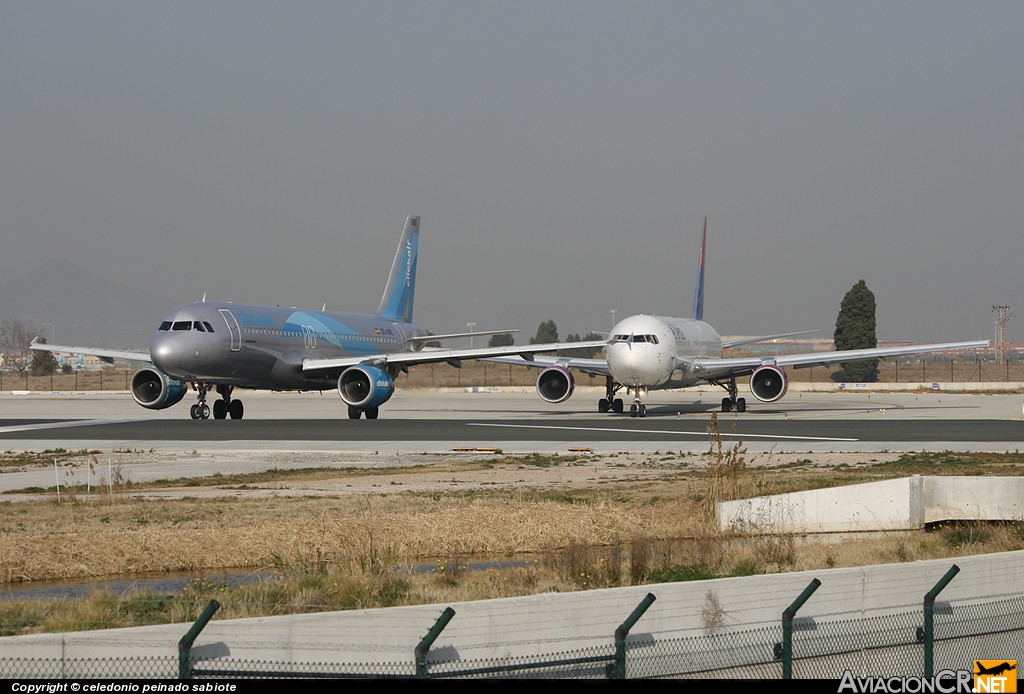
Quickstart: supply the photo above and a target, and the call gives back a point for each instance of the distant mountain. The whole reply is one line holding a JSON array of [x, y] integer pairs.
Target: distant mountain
[[86, 309]]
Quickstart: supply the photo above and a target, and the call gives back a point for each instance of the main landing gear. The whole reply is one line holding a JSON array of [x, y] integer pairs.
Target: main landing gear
[[609, 401], [222, 408], [614, 404], [731, 403], [355, 412]]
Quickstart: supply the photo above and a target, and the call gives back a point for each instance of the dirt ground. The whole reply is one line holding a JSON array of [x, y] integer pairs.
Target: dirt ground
[[313, 473]]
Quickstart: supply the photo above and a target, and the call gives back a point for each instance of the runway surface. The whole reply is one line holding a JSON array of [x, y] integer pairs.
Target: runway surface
[[848, 421]]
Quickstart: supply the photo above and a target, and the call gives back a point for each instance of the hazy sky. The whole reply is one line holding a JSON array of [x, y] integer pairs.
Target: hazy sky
[[563, 156]]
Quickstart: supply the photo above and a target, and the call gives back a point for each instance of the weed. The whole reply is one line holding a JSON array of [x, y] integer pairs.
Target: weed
[[712, 612], [684, 572]]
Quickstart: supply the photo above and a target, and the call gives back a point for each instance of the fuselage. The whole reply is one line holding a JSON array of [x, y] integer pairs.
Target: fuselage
[[650, 352], [262, 347]]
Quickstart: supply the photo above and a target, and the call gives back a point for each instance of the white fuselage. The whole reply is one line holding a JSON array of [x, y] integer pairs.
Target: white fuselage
[[651, 352]]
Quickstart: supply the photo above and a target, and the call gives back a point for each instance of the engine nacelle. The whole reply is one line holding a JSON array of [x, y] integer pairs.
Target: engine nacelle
[[768, 383], [555, 384], [365, 386], [155, 390]]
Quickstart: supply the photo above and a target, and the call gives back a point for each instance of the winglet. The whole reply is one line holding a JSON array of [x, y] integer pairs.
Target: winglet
[[698, 296], [397, 302]]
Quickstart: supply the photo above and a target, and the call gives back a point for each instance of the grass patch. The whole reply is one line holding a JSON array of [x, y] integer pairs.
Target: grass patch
[[353, 551]]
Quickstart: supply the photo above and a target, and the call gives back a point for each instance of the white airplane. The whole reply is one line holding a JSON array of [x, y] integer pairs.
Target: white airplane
[[222, 345], [647, 353]]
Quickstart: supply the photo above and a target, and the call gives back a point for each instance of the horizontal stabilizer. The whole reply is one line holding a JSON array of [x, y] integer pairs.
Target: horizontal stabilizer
[[726, 344], [453, 336]]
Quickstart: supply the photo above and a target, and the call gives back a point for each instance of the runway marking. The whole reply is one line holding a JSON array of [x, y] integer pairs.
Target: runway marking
[[659, 431], [63, 425]]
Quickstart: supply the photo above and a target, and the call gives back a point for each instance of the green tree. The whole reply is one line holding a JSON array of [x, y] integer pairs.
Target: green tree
[[583, 352], [501, 340], [43, 363], [547, 332], [855, 329]]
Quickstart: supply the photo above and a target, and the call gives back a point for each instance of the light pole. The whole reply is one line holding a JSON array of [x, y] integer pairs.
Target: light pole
[[1003, 316], [471, 325], [612, 311]]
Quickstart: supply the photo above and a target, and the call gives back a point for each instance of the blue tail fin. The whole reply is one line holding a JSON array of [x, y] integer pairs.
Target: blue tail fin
[[698, 296], [396, 304]]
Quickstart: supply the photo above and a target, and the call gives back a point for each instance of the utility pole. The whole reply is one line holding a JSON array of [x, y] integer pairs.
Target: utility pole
[[1003, 316]]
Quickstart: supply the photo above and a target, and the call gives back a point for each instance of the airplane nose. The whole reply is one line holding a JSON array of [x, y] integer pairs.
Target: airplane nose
[[627, 363], [162, 352], [176, 354]]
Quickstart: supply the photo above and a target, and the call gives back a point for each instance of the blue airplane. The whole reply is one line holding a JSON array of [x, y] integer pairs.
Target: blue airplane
[[221, 345]]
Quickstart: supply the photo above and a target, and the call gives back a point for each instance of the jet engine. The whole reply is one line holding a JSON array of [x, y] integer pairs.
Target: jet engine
[[555, 384], [768, 383], [155, 390], [365, 386]]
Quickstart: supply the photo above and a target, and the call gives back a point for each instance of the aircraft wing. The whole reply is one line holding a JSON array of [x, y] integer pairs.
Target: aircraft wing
[[723, 368], [435, 355], [592, 367], [106, 355]]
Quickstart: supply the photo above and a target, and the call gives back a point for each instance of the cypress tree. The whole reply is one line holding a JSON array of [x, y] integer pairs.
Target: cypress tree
[[855, 329]]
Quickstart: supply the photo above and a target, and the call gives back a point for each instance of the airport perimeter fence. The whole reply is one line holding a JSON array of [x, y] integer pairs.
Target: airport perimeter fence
[[480, 374], [918, 643]]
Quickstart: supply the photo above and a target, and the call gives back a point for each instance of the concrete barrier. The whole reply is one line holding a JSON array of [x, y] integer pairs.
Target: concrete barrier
[[538, 625], [901, 504]]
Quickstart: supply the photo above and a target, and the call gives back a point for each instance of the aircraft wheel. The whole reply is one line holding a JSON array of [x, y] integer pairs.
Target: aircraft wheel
[[632, 410], [354, 412], [372, 413], [726, 404], [194, 411], [220, 409], [741, 405], [236, 409], [204, 411], [617, 406], [602, 405], [642, 410]]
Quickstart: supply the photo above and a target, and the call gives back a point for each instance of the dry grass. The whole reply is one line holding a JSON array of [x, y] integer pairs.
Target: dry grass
[[47, 541], [353, 551]]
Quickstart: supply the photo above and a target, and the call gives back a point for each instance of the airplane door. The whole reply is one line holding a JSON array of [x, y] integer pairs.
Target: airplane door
[[399, 333], [233, 329]]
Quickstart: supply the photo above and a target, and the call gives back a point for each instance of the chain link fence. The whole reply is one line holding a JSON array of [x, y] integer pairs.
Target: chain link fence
[[889, 644]]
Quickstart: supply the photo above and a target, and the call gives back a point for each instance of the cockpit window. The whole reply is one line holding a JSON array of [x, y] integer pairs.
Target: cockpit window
[[182, 325], [653, 339], [165, 326], [200, 327], [209, 328]]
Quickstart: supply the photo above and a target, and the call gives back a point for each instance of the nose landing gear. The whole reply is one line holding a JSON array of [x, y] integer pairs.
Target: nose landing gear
[[638, 408], [200, 410]]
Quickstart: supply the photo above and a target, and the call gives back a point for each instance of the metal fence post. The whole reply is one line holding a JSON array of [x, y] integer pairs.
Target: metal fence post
[[929, 619], [185, 644], [787, 628], [617, 670], [427, 641]]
